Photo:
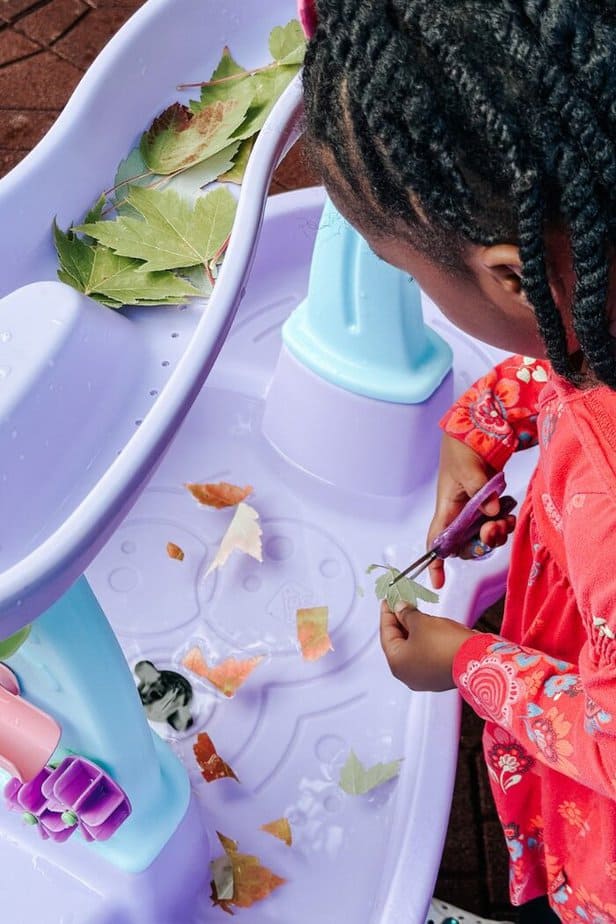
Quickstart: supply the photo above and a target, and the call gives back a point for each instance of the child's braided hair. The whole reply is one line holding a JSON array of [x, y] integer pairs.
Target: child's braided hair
[[493, 118]]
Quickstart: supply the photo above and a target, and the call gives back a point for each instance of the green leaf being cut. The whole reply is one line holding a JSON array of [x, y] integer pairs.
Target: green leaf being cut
[[180, 138], [404, 591], [356, 780], [115, 280], [171, 233], [287, 44]]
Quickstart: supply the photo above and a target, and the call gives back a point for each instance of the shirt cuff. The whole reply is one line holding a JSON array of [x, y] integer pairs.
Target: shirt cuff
[[466, 672], [496, 452]]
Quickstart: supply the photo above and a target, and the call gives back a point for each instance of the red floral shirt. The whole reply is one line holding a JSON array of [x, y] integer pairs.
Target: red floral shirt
[[547, 685]]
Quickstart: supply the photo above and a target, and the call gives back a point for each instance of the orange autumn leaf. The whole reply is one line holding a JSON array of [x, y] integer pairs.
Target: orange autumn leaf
[[228, 676], [312, 632], [252, 882], [219, 495], [174, 551], [211, 764], [280, 829]]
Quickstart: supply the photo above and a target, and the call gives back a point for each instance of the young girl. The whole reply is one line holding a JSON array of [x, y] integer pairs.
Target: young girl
[[473, 143]]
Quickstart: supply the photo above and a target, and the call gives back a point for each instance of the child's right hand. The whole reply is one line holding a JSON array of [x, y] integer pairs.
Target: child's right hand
[[462, 472]]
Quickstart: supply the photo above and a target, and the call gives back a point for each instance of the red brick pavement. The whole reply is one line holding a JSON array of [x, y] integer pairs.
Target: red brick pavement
[[45, 47]]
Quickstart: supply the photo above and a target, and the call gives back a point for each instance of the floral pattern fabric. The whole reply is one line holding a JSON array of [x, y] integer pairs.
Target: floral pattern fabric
[[547, 685], [498, 414]]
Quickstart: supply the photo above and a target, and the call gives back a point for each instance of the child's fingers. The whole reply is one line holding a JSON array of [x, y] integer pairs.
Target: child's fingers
[[436, 571], [495, 532], [391, 629], [491, 507]]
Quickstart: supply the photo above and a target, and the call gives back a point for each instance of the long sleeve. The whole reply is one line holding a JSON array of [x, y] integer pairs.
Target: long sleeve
[[562, 713], [498, 415]]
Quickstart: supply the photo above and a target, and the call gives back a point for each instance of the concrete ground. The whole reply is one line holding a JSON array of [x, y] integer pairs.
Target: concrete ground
[[45, 47]]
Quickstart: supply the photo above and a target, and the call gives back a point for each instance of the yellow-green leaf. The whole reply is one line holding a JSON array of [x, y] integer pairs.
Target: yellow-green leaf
[[356, 780], [287, 44], [236, 173]]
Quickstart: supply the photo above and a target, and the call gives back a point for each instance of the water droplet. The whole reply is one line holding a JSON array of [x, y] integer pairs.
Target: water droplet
[[128, 547]]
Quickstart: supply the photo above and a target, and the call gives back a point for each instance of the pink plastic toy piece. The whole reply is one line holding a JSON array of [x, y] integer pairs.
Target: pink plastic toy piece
[[76, 795], [28, 736]]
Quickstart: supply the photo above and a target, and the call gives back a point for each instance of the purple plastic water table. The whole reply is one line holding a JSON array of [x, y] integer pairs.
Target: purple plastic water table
[[128, 393]]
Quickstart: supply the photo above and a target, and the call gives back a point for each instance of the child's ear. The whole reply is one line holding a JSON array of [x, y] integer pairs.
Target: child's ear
[[503, 266]]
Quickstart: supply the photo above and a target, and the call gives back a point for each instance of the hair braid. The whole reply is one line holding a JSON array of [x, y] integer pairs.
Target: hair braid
[[426, 108]]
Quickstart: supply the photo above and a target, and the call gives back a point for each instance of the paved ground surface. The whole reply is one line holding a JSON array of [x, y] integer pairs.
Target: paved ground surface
[[45, 47]]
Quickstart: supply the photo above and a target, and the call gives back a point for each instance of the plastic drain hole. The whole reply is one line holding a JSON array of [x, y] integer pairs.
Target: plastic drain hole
[[175, 334], [153, 392], [165, 362]]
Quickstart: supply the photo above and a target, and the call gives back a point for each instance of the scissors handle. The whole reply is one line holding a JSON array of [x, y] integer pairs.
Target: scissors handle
[[464, 529], [467, 524]]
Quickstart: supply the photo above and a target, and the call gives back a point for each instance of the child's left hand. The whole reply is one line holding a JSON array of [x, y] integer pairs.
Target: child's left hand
[[420, 649]]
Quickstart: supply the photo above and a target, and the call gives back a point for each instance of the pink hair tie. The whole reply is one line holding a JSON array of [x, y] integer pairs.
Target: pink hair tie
[[307, 16]]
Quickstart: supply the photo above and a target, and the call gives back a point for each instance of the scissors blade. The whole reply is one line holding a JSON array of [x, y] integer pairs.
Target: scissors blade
[[416, 568]]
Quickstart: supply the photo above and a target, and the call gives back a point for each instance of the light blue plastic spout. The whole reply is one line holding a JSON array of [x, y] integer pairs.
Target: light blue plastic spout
[[73, 668], [361, 326]]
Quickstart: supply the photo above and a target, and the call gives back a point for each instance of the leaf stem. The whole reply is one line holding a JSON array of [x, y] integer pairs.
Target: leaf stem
[[159, 181], [221, 250], [209, 274], [219, 80], [128, 180]]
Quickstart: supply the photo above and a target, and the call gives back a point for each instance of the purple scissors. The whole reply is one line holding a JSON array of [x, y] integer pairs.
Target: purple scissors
[[464, 530]]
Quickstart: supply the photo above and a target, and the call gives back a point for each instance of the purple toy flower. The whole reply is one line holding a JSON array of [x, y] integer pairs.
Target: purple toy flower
[[76, 795]]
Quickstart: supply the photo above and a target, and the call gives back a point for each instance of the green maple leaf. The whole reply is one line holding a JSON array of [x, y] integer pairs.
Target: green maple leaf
[[264, 86], [179, 138], [356, 780], [214, 92], [268, 87], [171, 233], [189, 183], [235, 174], [96, 212], [287, 44], [115, 280], [404, 591]]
